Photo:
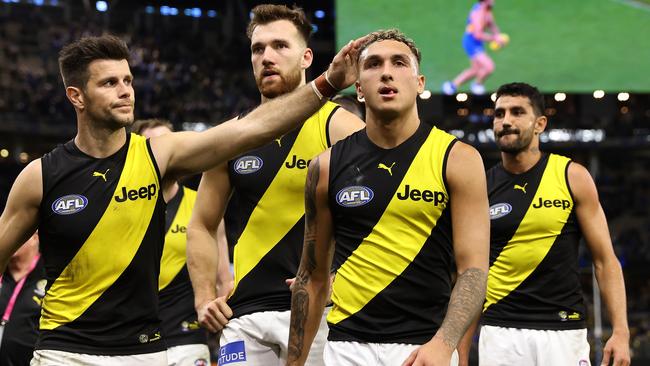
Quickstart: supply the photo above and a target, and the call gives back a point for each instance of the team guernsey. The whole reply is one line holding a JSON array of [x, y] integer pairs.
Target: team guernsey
[[265, 217], [179, 320], [392, 227], [101, 236], [533, 282]]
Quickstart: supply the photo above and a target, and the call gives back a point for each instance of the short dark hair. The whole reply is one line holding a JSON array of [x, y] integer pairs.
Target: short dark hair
[[145, 124], [519, 89], [75, 57], [267, 13], [391, 34]]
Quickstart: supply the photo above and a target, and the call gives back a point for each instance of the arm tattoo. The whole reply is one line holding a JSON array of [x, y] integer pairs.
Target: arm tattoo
[[300, 296], [465, 303]]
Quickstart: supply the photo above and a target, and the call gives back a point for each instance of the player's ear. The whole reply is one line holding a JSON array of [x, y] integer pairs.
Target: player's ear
[[360, 96], [540, 124]]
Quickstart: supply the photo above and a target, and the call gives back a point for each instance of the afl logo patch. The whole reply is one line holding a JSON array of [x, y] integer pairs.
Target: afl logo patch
[[354, 196], [70, 204], [248, 164], [499, 210]]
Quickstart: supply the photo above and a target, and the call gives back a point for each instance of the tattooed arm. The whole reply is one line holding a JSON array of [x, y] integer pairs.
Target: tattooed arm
[[310, 290], [471, 233]]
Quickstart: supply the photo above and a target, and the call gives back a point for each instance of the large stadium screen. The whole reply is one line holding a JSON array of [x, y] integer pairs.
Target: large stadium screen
[[558, 45]]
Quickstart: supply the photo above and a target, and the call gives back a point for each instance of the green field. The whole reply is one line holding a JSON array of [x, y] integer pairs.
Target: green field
[[558, 45]]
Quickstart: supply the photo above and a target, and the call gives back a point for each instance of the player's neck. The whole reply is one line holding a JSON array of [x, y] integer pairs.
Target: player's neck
[[97, 141], [19, 265], [388, 133], [522, 161]]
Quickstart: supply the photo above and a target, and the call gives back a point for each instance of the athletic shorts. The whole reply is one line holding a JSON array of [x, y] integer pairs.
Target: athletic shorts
[[46, 357], [471, 45], [499, 346], [339, 353], [260, 339], [188, 355]]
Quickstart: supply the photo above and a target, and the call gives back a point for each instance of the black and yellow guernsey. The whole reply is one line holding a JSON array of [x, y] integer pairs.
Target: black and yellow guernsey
[[533, 282], [179, 320], [265, 219], [101, 236], [392, 226]]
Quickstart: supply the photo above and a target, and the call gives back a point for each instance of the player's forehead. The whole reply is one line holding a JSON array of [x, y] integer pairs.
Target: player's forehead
[[386, 49], [276, 30], [99, 69], [512, 101]]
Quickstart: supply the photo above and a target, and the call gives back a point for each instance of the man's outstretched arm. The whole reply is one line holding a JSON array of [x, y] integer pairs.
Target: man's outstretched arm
[[185, 153]]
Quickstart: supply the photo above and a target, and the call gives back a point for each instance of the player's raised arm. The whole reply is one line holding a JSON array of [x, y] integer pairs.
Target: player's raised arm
[[190, 152]]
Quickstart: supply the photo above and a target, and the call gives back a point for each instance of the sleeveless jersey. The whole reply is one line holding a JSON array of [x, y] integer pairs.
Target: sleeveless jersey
[[392, 227], [533, 280], [179, 320], [101, 235], [265, 217]]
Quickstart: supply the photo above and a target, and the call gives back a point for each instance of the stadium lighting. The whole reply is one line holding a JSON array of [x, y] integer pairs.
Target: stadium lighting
[[101, 6], [319, 14], [149, 9], [493, 97], [598, 94], [461, 97], [212, 13], [196, 12], [39, 2], [314, 27], [24, 157], [164, 10], [4, 153], [425, 94], [623, 97], [173, 11], [560, 97]]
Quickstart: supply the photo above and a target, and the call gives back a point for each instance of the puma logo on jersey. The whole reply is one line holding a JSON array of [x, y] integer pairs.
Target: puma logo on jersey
[[103, 175], [147, 192], [279, 141], [521, 188], [389, 169], [565, 204]]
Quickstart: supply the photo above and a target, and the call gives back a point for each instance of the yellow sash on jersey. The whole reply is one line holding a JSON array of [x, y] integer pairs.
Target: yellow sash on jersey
[[398, 236], [174, 255], [111, 246], [535, 235], [283, 203]]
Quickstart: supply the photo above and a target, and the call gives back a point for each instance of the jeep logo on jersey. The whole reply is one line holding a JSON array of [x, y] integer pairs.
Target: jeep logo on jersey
[[555, 203], [147, 192], [297, 162], [354, 196], [438, 198], [70, 204], [499, 210], [248, 164]]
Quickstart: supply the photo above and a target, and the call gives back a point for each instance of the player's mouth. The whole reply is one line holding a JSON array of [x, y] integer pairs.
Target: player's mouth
[[387, 91], [124, 106], [269, 73], [507, 132]]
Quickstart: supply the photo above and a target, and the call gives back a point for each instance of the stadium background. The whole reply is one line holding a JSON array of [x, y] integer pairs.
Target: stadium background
[[191, 64]]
